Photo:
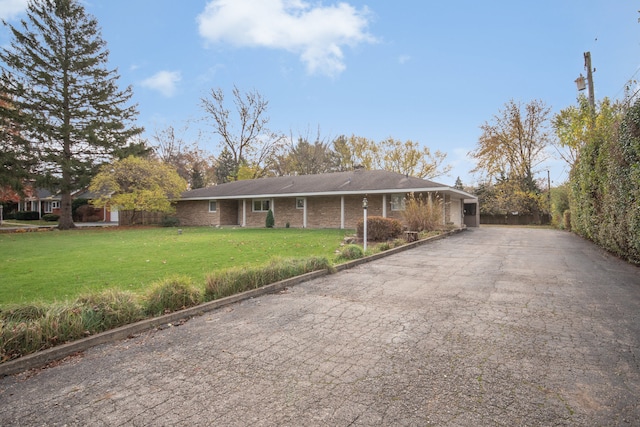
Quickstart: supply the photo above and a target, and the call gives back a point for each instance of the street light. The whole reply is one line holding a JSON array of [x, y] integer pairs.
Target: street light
[[581, 82], [365, 204]]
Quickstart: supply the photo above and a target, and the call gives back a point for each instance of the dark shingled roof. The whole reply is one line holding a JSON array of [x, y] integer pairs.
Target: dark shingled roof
[[352, 182]]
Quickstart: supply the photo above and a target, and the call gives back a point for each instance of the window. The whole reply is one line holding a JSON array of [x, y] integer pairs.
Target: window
[[299, 202], [261, 205], [398, 202], [48, 206], [213, 205]]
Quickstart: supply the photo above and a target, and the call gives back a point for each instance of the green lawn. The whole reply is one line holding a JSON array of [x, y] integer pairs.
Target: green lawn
[[59, 265]]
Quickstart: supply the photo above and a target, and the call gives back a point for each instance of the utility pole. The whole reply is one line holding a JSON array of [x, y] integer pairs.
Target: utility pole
[[549, 191], [587, 66]]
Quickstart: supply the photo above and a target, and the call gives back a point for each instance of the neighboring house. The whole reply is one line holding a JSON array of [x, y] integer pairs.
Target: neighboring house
[[106, 214], [44, 202], [39, 200], [331, 200]]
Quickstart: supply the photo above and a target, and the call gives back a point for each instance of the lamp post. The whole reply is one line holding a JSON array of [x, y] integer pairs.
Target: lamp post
[[365, 204]]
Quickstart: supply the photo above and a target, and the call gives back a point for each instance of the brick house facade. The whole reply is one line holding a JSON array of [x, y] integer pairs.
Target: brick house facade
[[333, 200]]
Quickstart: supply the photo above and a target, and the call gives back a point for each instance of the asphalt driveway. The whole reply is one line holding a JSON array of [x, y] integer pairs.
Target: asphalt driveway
[[490, 327]]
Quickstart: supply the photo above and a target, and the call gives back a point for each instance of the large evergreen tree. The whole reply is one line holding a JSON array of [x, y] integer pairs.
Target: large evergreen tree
[[61, 99]]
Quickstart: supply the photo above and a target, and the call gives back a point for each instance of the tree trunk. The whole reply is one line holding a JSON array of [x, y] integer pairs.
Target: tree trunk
[[66, 219]]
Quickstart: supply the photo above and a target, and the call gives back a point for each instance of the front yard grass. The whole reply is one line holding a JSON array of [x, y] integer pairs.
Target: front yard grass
[[57, 266]]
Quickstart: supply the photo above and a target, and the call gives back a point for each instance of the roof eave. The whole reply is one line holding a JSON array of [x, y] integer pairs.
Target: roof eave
[[461, 193]]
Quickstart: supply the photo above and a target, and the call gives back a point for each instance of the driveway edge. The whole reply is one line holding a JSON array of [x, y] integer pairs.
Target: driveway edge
[[42, 358]]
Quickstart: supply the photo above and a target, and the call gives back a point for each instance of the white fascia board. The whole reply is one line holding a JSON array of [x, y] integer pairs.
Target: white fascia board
[[460, 193]]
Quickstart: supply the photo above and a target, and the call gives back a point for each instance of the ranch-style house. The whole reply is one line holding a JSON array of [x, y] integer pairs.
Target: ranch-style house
[[329, 200]]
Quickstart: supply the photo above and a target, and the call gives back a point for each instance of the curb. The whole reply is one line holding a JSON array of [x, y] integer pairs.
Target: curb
[[42, 358]]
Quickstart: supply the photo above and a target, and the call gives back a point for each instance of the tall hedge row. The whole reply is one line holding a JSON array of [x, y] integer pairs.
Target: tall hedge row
[[605, 187]]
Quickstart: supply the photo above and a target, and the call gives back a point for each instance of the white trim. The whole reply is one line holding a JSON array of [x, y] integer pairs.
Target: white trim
[[304, 213], [244, 212], [384, 206], [261, 200], [342, 213]]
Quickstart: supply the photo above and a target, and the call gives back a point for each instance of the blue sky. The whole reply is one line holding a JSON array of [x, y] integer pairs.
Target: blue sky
[[426, 71]]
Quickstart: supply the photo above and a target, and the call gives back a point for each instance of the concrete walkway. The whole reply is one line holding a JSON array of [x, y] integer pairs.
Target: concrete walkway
[[490, 327]]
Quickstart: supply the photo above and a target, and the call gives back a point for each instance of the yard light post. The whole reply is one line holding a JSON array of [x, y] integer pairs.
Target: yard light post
[[365, 204]]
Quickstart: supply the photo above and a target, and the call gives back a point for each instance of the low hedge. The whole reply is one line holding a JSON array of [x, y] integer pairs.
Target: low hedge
[[25, 329], [380, 229], [27, 215]]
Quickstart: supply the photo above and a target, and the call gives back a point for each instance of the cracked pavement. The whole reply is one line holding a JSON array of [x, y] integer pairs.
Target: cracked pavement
[[490, 327]]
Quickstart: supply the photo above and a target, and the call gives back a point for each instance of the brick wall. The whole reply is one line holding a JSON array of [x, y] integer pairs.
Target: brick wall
[[196, 212], [322, 212]]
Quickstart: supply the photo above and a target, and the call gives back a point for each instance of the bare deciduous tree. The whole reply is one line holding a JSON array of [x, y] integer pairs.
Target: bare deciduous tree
[[248, 138]]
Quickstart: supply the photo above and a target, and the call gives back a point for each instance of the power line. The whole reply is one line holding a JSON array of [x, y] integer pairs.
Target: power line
[[626, 84]]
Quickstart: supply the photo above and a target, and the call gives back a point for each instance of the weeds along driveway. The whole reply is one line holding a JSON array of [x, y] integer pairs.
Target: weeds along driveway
[[495, 326]]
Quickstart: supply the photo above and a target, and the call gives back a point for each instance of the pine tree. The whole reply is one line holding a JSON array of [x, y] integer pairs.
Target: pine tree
[[226, 167], [197, 178], [458, 185], [60, 97]]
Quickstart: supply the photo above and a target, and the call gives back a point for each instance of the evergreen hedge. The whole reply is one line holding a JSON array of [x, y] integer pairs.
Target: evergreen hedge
[[605, 188]]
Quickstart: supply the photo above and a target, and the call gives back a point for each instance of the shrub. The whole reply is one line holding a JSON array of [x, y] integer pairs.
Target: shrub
[[350, 252], [172, 294], [19, 338], [384, 246], [51, 217], [380, 229], [27, 215], [169, 221], [236, 280], [87, 213], [270, 221], [421, 215], [109, 309]]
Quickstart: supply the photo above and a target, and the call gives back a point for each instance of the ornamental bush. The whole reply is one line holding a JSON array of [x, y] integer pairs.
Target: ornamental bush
[[349, 253], [270, 221], [423, 214], [380, 229], [172, 294]]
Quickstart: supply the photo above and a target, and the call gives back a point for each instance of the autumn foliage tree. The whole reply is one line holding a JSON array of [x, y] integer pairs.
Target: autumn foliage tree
[[137, 185], [407, 158], [510, 149], [191, 162], [61, 99]]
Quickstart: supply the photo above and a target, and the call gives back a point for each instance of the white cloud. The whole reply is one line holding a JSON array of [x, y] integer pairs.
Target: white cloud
[[403, 59], [164, 82], [317, 33], [9, 9]]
